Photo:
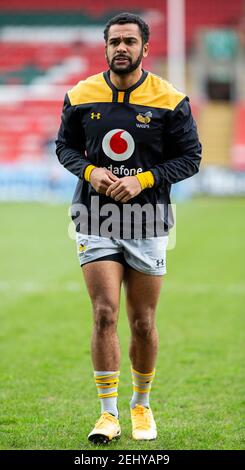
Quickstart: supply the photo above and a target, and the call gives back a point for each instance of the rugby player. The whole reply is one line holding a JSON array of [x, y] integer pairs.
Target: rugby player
[[127, 135]]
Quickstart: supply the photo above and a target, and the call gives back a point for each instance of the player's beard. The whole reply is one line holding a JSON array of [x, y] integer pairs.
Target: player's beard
[[125, 70]]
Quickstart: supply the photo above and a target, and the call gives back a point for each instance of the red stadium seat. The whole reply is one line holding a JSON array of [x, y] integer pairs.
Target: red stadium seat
[[238, 145]]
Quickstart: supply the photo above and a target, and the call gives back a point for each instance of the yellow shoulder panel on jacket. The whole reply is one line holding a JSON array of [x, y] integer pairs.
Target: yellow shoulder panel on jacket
[[92, 90], [156, 93]]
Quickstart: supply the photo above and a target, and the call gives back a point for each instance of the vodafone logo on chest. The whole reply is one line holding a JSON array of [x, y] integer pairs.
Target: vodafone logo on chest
[[118, 145]]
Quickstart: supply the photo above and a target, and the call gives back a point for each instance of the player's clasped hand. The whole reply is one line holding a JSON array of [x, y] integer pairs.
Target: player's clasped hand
[[101, 179], [124, 189]]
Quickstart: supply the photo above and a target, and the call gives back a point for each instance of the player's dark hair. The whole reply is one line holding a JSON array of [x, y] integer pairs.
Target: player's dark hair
[[124, 18]]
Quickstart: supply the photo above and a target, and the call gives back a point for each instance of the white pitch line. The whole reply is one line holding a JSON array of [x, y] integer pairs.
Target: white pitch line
[[29, 287], [32, 287]]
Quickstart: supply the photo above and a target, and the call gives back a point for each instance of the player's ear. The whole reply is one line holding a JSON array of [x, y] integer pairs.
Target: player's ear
[[146, 49]]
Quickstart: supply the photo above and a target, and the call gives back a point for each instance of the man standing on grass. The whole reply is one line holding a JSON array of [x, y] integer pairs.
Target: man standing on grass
[[127, 135]]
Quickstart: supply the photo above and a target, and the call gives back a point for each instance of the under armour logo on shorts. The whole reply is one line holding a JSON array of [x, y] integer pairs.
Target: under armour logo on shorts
[[160, 262]]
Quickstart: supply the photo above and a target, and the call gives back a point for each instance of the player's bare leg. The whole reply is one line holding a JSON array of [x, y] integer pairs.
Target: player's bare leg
[[142, 294], [103, 280]]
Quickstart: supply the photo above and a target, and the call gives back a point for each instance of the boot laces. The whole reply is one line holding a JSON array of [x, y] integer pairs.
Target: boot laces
[[105, 417], [142, 417]]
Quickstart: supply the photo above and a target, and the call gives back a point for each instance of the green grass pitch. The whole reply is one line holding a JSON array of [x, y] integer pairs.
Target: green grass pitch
[[48, 398]]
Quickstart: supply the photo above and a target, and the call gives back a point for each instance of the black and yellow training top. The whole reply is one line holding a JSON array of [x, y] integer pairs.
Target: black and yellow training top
[[146, 127]]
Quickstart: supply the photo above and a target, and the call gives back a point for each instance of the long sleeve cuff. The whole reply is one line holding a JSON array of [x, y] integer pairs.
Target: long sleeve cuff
[[146, 179], [88, 171]]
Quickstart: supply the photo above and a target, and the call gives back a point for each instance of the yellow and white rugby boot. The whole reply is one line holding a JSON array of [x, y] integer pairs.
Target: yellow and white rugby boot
[[143, 424], [106, 429]]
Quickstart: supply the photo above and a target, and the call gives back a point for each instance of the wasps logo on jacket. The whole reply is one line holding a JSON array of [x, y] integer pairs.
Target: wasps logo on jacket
[[144, 118]]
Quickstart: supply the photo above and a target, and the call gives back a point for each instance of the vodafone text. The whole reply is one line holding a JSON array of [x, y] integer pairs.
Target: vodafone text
[[122, 170]]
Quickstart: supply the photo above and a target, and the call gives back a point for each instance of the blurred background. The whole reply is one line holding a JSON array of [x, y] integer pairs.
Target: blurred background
[[47, 46]]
